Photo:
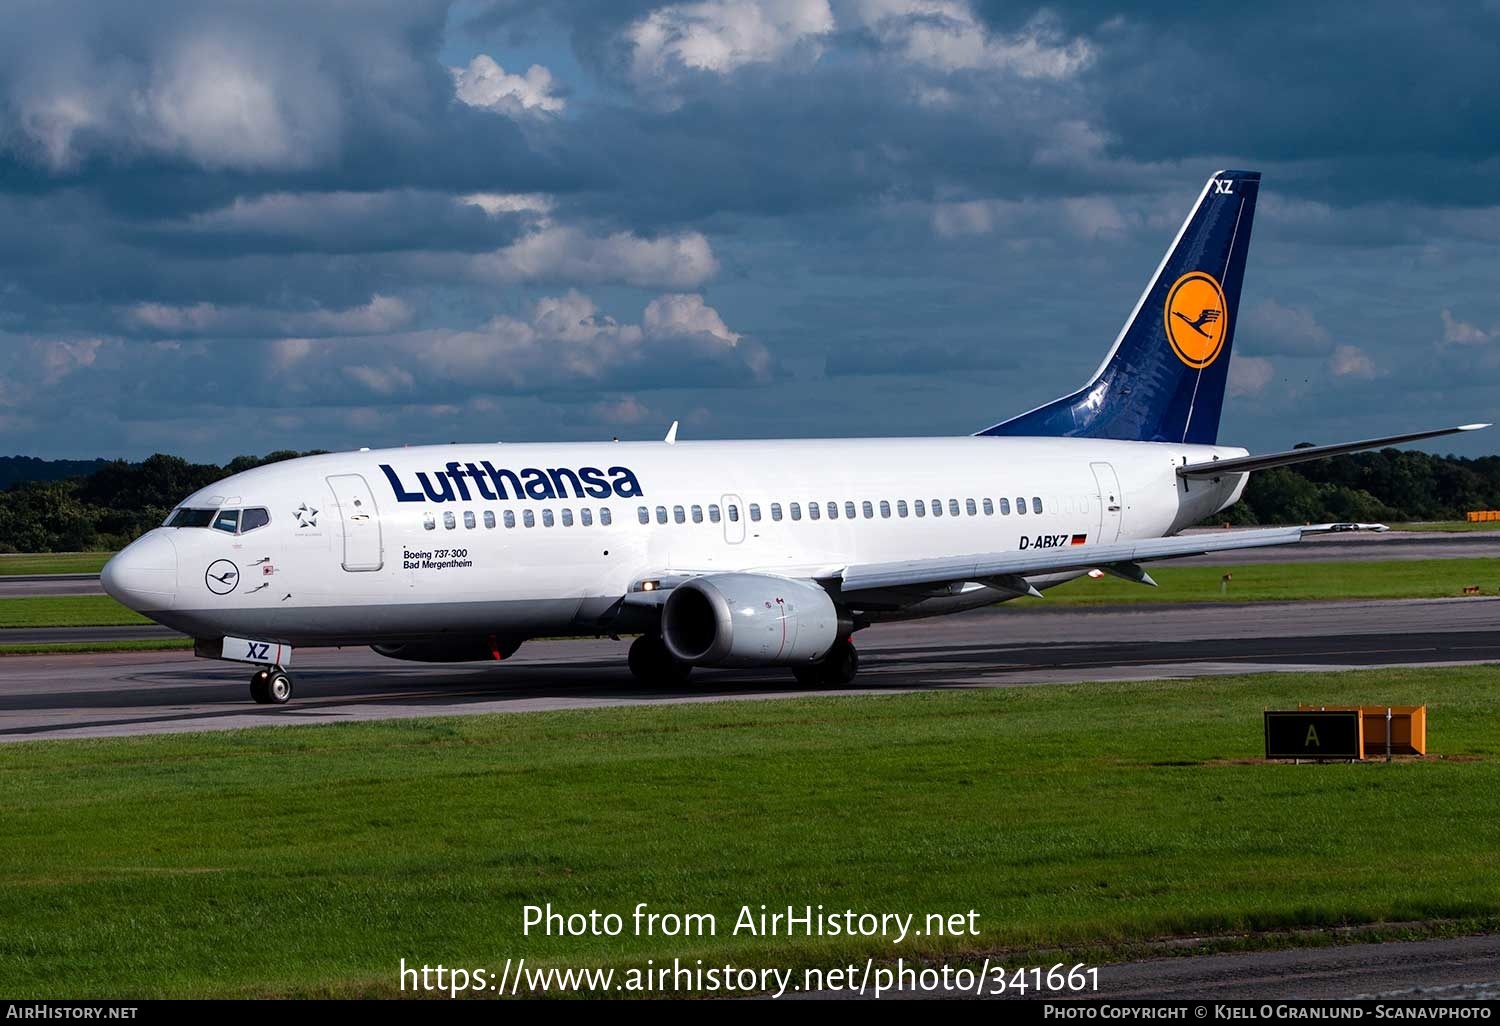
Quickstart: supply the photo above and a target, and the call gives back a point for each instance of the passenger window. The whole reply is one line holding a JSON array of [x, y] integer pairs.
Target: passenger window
[[469, 522], [227, 521], [734, 513], [1005, 507], [489, 519], [528, 518], [901, 508], [510, 518], [755, 512], [449, 521], [775, 511], [697, 514], [546, 518], [921, 508], [429, 522], [869, 510], [713, 513], [605, 518], [1036, 504], [567, 518], [937, 507], [849, 510], [643, 514], [833, 511], [1021, 505], [679, 514], [586, 517], [885, 509], [661, 514], [814, 511], [797, 511], [989, 508], [953, 507], [253, 518], [970, 508]]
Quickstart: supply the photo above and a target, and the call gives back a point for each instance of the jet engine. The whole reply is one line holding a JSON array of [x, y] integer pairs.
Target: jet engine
[[451, 650], [749, 620]]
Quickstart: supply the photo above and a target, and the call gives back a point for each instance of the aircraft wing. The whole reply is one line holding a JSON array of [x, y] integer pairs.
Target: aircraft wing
[[1008, 570]]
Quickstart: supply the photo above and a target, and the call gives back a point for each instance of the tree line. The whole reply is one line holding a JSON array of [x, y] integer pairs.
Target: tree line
[[107, 507]]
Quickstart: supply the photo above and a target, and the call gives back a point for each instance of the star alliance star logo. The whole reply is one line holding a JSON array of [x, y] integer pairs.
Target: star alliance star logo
[[306, 516]]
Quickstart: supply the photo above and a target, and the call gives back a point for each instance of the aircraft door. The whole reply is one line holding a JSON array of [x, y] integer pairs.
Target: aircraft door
[[734, 519], [360, 520], [1111, 502]]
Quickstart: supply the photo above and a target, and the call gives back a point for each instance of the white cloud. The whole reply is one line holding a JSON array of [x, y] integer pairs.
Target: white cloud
[[1351, 362], [1461, 332], [947, 36], [568, 254], [1249, 375], [486, 84], [1293, 331], [565, 342], [380, 315], [722, 35], [57, 359], [496, 203]]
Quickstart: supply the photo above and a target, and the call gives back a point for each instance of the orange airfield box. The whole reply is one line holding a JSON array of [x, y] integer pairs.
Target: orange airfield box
[[1408, 725]]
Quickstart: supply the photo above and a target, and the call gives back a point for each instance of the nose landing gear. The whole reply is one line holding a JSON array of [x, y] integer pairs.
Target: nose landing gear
[[271, 686]]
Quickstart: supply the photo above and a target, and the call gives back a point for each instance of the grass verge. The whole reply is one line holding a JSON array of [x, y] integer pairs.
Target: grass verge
[[66, 611], [1089, 818], [1281, 582], [126, 645], [53, 563]]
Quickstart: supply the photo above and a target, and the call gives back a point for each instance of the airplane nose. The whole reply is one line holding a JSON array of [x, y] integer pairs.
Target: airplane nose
[[143, 575]]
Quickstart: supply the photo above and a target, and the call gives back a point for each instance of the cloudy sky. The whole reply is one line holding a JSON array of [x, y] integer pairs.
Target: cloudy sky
[[230, 228]]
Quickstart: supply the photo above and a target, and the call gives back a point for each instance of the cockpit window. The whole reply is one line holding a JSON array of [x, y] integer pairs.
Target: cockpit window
[[230, 521], [253, 518], [193, 517]]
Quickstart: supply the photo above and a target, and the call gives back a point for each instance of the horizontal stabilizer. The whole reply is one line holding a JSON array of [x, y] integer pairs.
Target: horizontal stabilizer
[[1245, 464]]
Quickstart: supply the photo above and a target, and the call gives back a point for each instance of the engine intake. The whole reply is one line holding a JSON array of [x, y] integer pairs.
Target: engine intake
[[749, 620]]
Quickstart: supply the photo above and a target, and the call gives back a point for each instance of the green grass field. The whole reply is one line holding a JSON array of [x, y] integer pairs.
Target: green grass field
[[1279, 582], [65, 647], [53, 563], [66, 611], [1080, 820], [1449, 527]]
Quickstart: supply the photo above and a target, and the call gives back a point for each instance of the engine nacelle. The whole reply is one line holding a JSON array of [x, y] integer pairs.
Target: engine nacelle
[[451, 650], [749, 620]]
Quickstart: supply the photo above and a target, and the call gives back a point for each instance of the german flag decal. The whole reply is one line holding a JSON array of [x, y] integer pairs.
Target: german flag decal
[[1080, 539]]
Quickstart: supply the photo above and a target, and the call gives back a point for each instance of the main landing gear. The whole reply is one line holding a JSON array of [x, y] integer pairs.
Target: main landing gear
[[653, 664], [271, 686], [836, 669]]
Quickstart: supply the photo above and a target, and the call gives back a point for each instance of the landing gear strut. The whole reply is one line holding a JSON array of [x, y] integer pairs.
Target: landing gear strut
[[836, 669], [653, 664], [271, 686]]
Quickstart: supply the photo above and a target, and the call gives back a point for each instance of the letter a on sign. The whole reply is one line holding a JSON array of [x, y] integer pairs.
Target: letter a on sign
[[1311, 741]]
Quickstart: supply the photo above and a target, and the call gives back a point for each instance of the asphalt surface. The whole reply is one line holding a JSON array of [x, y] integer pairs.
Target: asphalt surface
[[1319, 549], [92, 695], [1462, 968]]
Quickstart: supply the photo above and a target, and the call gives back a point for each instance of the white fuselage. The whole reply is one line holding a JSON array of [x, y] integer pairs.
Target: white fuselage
[[353, 553]]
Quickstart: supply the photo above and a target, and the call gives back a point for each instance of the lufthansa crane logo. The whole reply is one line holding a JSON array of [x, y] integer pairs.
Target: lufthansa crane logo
[[1197, 319], [222, 577]]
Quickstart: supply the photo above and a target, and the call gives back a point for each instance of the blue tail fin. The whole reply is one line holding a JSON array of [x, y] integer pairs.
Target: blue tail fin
[[1163, 381]]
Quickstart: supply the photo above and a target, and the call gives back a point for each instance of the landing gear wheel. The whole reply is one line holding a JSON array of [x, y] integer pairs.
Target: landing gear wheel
[[271, 687], [653, 664], [836, 669], [260, 687]]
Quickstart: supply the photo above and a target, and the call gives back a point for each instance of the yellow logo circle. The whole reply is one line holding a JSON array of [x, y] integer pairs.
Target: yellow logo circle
[[1197, 319]]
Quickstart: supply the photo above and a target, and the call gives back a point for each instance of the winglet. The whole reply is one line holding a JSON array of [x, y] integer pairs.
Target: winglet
[[671, 438]]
